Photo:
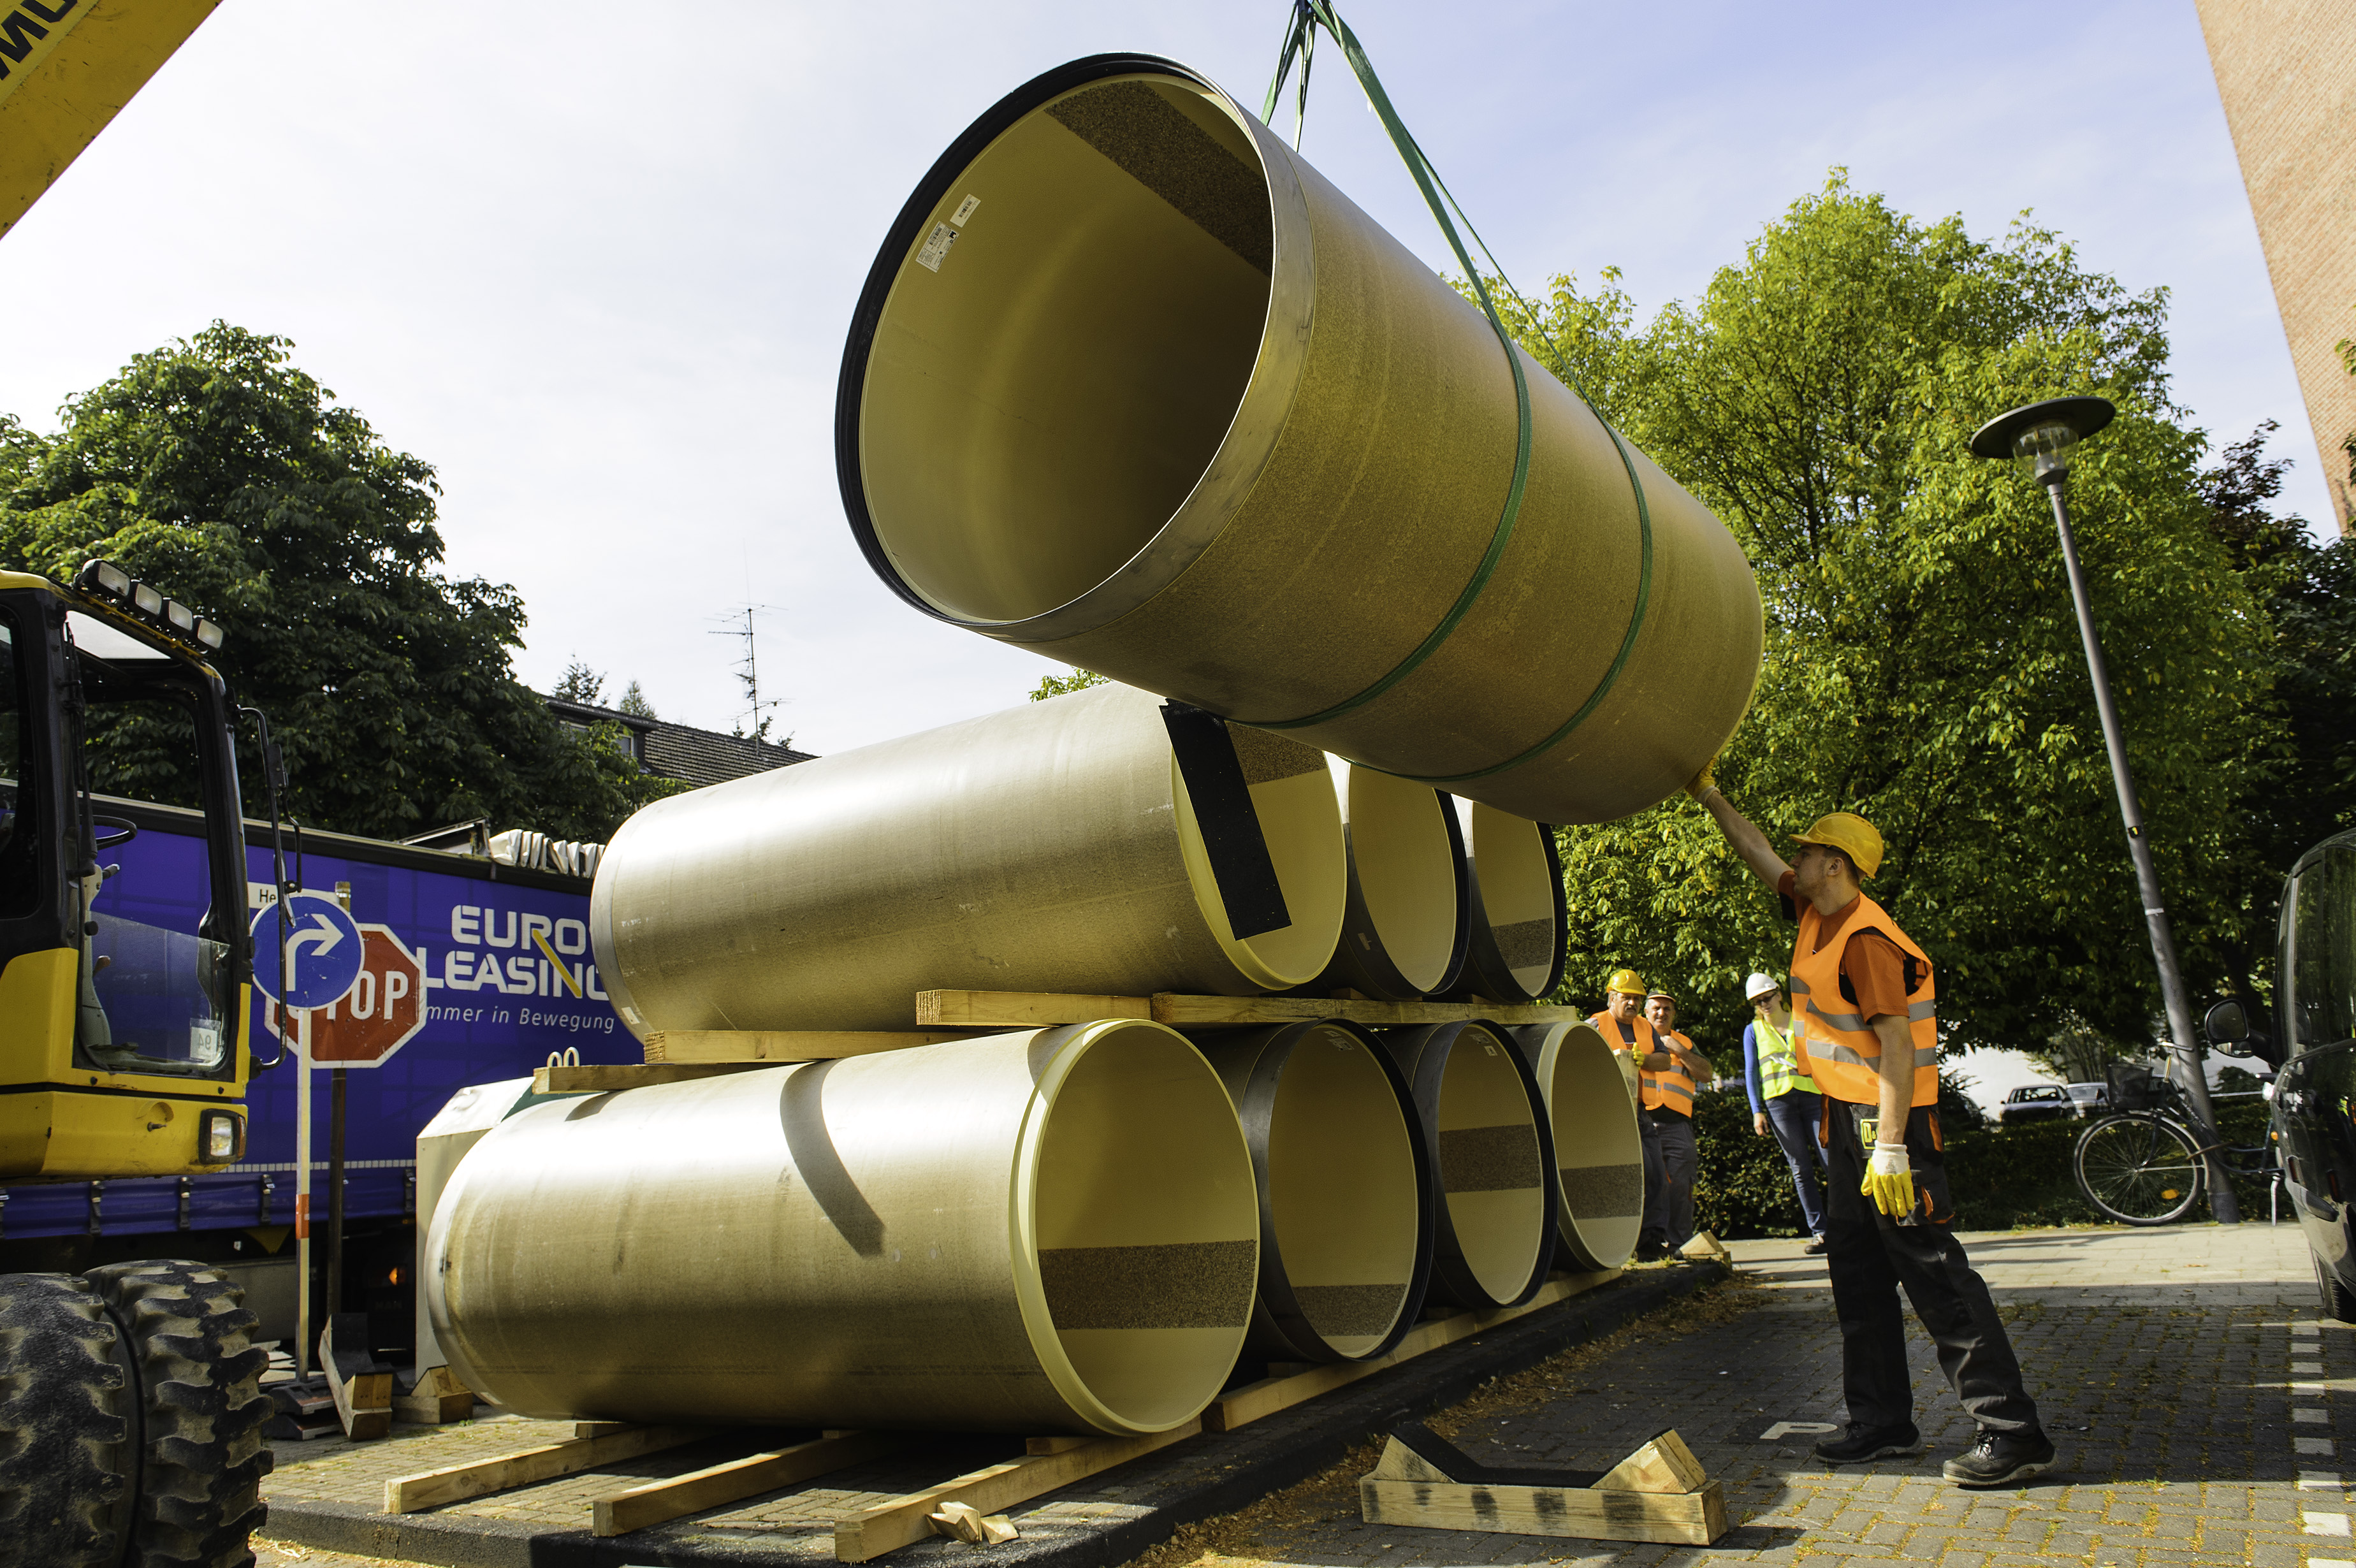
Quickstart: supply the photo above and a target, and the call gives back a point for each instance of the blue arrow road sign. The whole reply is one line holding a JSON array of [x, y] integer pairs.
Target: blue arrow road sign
[[327, 947]]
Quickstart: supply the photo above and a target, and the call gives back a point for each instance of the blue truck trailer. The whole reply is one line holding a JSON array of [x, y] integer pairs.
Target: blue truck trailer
[[508, 983]]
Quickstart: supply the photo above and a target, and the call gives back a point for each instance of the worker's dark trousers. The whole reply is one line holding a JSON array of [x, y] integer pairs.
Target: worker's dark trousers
[[1679, 1160], [1872, 1255], [1654, 1230]]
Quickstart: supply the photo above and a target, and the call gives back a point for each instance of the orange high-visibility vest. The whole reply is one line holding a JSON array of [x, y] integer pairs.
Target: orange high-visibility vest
[[1835, 1046], [1676, 1084], [1670, 1086]]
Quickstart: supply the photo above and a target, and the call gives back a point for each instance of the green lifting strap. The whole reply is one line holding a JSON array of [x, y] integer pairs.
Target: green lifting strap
[[1299, 41]]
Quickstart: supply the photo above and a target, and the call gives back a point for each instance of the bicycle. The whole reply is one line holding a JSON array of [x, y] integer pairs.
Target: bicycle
[[2142, 1164]]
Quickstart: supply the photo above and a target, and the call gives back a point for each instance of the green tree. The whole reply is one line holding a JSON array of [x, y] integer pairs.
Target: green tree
[[1921, 661], [216, 469], [580, 684], [1058, 684], [635, 703]]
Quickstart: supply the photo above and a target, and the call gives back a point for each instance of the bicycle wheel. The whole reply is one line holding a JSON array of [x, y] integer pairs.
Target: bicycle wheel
[[2140, 1169]]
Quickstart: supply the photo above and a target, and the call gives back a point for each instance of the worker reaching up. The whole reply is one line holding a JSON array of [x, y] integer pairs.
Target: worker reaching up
[[1623, 1024], [1864, 1001], [1673, 1118]]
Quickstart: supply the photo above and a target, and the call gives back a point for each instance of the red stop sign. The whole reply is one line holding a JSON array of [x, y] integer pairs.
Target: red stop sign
[[377, 1017]]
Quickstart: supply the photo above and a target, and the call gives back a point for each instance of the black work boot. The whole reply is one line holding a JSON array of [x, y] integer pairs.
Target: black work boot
[[1864, 1443], [2001, 1460]]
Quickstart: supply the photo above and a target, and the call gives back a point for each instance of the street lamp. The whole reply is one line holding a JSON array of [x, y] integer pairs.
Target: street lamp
[[2039, 437]]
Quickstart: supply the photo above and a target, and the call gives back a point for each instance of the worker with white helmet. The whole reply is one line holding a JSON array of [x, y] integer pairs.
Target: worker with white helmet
[[1866, 1000], [1783, 1098]]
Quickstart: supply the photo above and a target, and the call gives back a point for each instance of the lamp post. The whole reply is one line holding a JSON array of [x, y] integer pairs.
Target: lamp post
[[2039, 436]]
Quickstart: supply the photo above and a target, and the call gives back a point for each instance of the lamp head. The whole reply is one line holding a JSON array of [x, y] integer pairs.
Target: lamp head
[[2039, 436]]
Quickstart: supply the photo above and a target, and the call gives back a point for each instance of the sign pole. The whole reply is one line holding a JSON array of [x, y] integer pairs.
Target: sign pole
[[336, 1193], [301, 1190]]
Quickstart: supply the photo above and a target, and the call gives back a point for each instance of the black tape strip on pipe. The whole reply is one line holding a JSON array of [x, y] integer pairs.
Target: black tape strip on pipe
[[1232, 839]]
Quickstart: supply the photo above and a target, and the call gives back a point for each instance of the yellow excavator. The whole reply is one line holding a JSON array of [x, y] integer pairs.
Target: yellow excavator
[[131, 1409]]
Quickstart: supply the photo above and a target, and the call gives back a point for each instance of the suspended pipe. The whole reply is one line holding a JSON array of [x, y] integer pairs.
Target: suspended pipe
[[1514, 880], [1052, 1230], [1597, 1148], [1132, 386], [1052, 848], [1404, 923], [1345, 1188], [1485, 1131]]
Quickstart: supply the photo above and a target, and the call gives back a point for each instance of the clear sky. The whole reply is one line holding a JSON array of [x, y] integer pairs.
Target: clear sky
[[595, 261]]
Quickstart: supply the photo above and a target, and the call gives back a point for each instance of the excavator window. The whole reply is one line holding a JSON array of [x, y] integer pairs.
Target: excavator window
[[19, 872]]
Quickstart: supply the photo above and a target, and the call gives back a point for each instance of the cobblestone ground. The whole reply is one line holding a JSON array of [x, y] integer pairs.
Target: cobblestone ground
[[2197, 1399]]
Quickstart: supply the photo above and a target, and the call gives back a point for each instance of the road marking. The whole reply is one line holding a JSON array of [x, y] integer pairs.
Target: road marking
[[1782, 1428], [2318, 1480], [2312, 1369], [2318, 1446], [2326, 1523], [2308, 1413]]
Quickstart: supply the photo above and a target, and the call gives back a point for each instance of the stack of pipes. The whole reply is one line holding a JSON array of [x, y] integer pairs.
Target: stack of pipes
[[1132, 386]]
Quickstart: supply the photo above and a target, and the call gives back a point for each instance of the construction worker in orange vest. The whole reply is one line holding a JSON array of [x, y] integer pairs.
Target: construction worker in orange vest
[[1659, 1082], [1864, 999], [1680, 1160]]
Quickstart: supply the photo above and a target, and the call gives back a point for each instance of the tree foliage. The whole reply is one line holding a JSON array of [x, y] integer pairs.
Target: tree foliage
[[216, 469], [1922, 663], [1058, 685]]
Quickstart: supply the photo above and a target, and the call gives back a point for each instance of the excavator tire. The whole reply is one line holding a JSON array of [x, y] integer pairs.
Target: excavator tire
[[202, 1457], [68, 1425]]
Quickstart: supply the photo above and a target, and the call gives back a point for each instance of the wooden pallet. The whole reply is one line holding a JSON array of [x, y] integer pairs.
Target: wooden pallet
[[1048, 1465]]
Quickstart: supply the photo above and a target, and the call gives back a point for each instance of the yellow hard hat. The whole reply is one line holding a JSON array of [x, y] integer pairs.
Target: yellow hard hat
[[1626, 982], [1850, 834]]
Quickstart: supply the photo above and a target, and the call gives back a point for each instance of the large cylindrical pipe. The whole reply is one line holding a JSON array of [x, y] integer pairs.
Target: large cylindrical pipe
[[1513, 950], [1404, 923], [1485, 1126], [1598, 1150], [1050, 848], [1055, 1230], [1345, 1188], [1132, 386]]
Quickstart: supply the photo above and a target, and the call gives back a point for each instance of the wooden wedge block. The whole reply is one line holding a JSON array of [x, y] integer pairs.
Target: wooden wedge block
[[456, 1483], [605, 1077], [1056, 1444], [716, 1047], [716, 1486], [1692, 1519], [362, 1393], [1663, 1464], [1021, 1009], [438, 1398], [873, 1531]]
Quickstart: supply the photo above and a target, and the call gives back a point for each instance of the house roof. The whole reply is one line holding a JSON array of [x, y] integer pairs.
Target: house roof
[[681, 752]]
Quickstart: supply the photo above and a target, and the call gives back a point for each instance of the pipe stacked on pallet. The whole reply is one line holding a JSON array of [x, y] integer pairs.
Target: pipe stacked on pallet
[[1132, 386]]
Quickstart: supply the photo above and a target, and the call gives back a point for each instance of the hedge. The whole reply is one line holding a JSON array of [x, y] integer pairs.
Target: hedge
[[2002, 1179]]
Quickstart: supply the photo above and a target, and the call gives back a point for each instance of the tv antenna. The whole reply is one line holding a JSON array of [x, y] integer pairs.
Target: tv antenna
[[740, 624]]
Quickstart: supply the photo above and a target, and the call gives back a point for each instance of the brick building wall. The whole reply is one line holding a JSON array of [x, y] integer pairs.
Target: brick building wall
[[2286, 70]]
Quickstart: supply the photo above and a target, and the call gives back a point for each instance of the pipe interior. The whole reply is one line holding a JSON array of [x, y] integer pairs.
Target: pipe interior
[[1516, 892], [1146, 1219], [1342, 1189], [1599, 1152], [1405, 868], [1489, 1169], [1293, 795], [1037, 406]]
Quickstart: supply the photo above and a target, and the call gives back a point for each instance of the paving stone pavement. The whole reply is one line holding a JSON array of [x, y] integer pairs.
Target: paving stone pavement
[[2197, 1398]]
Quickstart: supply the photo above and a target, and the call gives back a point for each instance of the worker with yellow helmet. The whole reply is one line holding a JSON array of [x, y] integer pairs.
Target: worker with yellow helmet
[[1665, 1099], [1680, 1159], [1864, 999]]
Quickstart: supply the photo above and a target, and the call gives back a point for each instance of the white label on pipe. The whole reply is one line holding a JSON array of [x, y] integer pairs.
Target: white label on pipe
[[937, 245], [964, 211]]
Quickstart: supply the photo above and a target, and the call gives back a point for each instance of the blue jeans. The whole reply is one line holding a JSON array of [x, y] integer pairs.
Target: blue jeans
[[1793, 1118]]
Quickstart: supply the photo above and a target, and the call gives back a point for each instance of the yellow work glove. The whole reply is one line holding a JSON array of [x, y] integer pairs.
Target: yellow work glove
[[1889, 1180], [1704, 781]]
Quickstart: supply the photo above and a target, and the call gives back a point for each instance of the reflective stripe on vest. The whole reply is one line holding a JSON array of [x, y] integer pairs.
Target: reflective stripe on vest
[[1836, 1048], [1779, 1066], [1676, 1087], [1670, 1088]]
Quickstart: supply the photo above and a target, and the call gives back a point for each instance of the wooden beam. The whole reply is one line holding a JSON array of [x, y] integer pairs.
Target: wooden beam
[[754, 1047], [1691, 1518], [1241, 1406], [605, 1077], [873, 1531], [1214, 1012], [1022, 1010], [716, 1486], [456, 1483], [363, 1396]]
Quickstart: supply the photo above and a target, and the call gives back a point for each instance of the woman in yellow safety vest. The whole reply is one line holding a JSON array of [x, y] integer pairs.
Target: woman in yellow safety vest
[[1783, 1098], [1866, 999]]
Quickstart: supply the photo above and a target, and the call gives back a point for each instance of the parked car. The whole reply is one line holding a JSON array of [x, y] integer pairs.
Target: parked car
[[2087, 1099], [2037, 1103], [2313, 1053]]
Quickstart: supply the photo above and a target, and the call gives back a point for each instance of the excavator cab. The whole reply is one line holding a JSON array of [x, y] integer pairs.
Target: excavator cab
[[123, 999]]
